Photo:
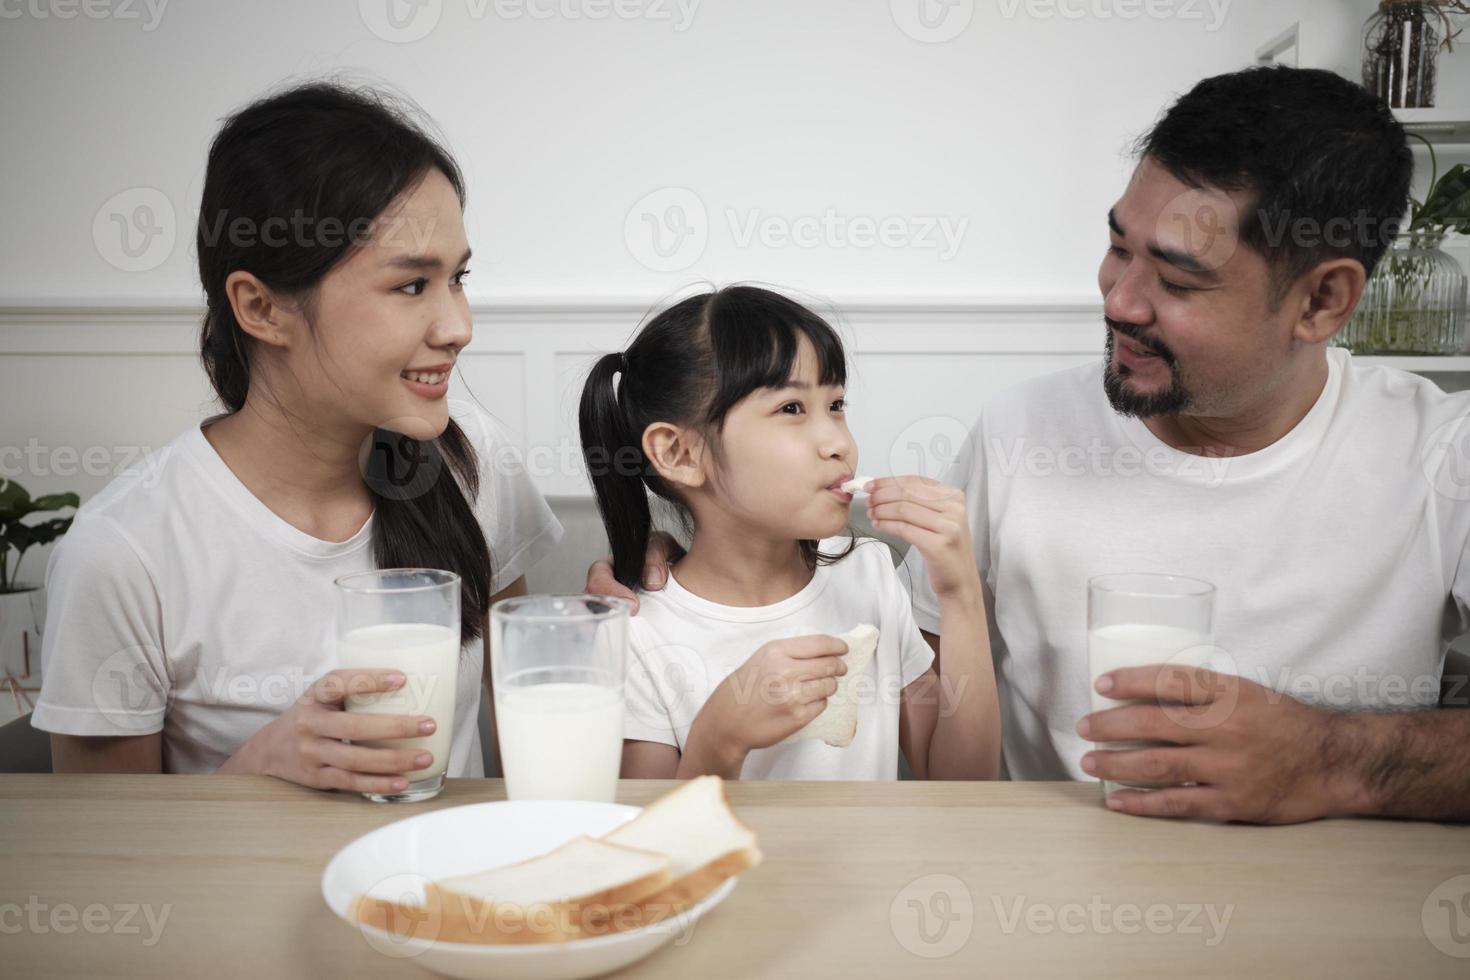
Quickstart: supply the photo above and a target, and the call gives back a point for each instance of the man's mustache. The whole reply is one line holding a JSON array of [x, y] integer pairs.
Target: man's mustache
[[1135, 334]]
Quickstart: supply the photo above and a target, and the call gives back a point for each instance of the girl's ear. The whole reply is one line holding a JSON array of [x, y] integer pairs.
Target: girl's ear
[[676, 453]]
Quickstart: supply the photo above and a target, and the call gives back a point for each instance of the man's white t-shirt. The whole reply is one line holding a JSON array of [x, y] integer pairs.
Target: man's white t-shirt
[[178, 602], [1337, 552], [682, 646]]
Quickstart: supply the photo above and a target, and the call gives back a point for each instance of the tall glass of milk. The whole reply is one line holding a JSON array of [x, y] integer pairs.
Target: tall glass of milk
[[405, 619], [557, 664], [1134, 620]]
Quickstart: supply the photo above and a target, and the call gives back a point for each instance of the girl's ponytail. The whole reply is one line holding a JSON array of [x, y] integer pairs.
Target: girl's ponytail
[[615, 463]]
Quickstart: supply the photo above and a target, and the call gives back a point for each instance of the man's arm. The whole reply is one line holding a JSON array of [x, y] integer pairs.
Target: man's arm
[[1259, 756], [1413, 765]]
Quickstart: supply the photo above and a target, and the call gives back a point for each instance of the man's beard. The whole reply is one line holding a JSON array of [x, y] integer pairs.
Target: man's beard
[[1171, 401]]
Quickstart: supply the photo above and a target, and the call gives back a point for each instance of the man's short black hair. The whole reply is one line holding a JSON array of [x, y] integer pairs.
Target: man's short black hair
[[1328, 164]]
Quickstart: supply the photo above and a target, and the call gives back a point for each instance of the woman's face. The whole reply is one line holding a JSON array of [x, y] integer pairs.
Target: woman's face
[[389, 322], [783, 451]]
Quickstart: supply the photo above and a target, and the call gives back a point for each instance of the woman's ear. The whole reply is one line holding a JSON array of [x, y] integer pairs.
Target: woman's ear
[[676, 453], [260, 312], [1336, 286]]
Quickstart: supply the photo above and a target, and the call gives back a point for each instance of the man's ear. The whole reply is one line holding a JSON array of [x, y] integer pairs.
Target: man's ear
[[1333, 290], [261, 311], [676, 452]]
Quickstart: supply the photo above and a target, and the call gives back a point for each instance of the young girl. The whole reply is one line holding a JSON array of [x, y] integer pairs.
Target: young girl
[[192, 602], [729, 405]]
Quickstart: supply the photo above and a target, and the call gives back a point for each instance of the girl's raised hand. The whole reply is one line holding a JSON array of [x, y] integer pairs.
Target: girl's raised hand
[[932, 517]]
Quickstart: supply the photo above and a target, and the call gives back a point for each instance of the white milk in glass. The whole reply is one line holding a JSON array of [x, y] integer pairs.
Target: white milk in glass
[[560, 741], [1137, 645], [428, 657]]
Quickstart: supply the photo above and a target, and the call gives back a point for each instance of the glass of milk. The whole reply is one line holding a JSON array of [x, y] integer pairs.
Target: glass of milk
[[557, 664], [405, 619], [1138, 619]]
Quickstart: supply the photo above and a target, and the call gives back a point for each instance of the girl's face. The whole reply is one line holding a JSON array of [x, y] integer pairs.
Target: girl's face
[[784, 451], [389, 322]]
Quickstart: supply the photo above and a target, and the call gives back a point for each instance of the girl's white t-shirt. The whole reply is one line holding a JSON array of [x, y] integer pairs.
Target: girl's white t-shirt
[[178, 602], [682, 646]]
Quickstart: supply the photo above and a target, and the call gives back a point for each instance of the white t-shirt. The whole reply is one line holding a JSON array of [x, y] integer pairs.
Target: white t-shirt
[[682, 646], [1337, 552], [179, 602]]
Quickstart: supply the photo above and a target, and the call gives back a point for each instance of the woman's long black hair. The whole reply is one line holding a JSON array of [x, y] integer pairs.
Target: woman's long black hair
[[332, 158], [689, 365]]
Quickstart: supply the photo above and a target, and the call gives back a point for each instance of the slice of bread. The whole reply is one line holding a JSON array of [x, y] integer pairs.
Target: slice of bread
[[837, 724], [584, 887], [662, 862], [705, 841]]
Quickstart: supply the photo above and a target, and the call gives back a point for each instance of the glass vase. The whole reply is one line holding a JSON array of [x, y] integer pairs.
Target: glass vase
[[1400, 53], [1414, 303]]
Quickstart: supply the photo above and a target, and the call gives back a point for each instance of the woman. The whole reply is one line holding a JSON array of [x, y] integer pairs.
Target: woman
[[191, 605]]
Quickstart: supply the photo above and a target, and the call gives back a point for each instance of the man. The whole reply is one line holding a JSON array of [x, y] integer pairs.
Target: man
[[1222, 439]]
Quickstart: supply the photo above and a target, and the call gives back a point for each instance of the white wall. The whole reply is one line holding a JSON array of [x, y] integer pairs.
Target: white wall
[[772, 108], [1015, 129]]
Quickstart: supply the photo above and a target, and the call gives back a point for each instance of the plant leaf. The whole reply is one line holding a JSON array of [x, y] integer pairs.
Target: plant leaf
[[1448, 201], [18, 536], [50, 530], [16, 503], [13, 500], [56, 501]]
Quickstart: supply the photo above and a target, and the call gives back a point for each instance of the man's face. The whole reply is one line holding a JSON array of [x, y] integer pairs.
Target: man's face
[[1188, 308]]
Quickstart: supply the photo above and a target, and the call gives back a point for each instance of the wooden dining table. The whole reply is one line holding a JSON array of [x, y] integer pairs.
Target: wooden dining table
[[215, 876]]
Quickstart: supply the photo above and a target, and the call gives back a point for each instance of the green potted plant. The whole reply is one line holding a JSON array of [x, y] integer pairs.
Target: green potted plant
[[22, 604], [1415, 301]]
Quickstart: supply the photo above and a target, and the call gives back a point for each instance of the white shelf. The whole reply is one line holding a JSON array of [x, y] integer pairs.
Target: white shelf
[[1439, 126], [1419, 364]]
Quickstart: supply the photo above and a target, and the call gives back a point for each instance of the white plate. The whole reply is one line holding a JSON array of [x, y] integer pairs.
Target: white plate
[[395, 861]]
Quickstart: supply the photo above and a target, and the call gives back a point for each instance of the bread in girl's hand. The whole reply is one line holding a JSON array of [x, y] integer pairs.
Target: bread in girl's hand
[[837, 724]]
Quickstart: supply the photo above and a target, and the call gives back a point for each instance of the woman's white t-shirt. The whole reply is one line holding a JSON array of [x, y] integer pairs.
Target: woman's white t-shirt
[[682, 646], [178, 602]]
